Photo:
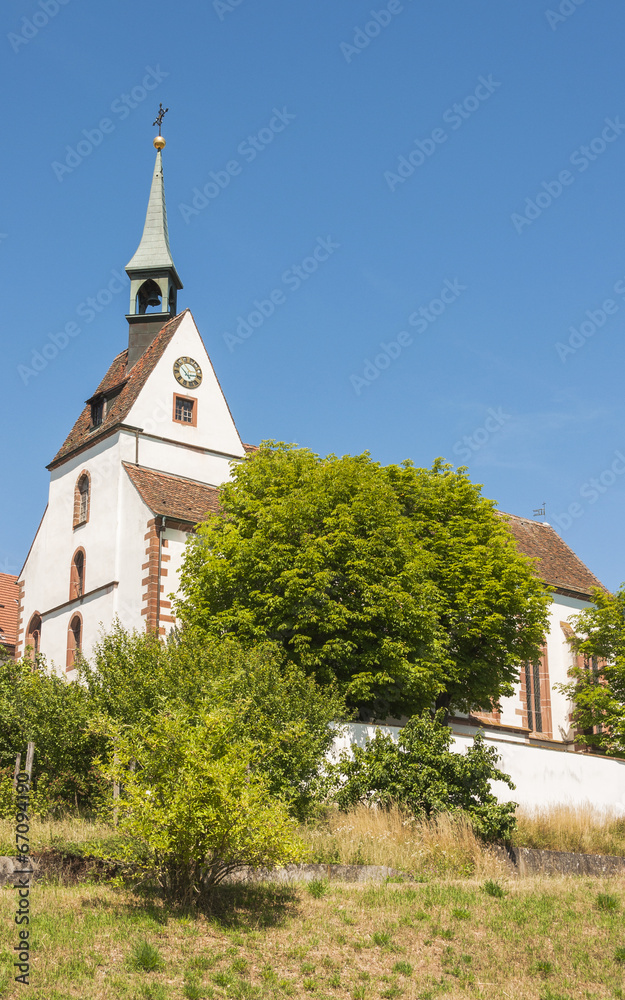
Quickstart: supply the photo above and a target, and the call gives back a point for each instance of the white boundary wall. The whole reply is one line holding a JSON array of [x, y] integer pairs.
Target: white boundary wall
[[543, 777]]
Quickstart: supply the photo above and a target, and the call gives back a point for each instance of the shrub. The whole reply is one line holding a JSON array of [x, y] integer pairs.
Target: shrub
[[420, 773], [194, 805]]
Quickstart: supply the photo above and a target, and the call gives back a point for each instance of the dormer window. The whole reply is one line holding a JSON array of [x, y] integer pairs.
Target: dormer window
[[97, 411]]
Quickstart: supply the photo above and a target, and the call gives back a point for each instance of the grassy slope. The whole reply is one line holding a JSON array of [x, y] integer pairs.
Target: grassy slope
[[544, 939]]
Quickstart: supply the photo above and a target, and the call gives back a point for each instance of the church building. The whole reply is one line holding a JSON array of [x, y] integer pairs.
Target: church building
[[142, 466]]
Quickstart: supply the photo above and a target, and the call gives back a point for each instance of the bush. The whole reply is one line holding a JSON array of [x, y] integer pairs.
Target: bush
[[55, 714], [194, 804], [420, 773], [269, 701]]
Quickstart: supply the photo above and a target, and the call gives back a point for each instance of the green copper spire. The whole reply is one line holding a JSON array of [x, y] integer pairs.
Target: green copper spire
[[153, 251], [154, 281]]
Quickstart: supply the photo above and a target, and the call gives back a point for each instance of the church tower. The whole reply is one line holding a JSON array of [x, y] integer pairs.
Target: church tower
[[154, 281], [140, 468]]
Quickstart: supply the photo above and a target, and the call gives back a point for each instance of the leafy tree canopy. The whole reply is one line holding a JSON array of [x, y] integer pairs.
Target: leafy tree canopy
[[270, 703], [420, 773], [55, 714], [401, 583], [598, 690]]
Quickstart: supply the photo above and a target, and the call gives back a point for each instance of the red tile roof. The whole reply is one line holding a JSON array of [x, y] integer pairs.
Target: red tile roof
[[8, 609], [82, 433], [557, 563], [173, 496]]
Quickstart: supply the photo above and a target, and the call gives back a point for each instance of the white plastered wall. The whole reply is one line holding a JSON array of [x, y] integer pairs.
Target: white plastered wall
[[46, 574], [215, 437], [543, 777]]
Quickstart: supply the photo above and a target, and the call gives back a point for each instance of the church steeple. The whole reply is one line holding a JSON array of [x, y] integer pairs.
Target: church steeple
[[154, 281]]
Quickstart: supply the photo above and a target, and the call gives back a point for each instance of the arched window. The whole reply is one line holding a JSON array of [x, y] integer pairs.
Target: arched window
[[77, 575], [74, 641], [33, 635], [82, 496]]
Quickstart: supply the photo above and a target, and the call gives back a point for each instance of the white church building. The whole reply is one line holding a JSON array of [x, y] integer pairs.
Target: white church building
[[143, 464]]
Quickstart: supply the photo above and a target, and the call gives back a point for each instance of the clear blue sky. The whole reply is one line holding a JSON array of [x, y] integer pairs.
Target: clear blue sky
[[477, 377]]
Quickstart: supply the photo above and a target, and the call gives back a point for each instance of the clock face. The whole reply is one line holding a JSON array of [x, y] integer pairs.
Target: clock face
[[188, 373]]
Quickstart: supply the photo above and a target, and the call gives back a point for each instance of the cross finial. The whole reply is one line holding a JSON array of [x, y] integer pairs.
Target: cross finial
[[159, 118]]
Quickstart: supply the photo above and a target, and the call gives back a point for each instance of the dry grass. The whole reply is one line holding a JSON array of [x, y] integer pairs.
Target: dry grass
[[581, 829], [445, 846], [543, 940], [48, 833]]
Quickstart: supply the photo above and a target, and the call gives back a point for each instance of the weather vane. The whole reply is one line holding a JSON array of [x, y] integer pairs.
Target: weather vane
[[159, 118], [540, 511]]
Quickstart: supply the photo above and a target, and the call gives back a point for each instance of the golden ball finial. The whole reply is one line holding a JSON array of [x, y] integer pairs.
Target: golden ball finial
[[159, 142]]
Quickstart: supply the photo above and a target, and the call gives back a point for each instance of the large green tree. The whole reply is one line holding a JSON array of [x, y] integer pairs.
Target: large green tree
[[597, 688], [401, 583]]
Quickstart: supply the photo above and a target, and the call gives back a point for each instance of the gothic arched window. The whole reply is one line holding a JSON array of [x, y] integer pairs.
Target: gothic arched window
[[33, 634], [74, 641], [82, 496], [77, 575]]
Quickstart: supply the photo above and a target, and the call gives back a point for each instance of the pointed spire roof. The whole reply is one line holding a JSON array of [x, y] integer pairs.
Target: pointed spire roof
[[153, 252]]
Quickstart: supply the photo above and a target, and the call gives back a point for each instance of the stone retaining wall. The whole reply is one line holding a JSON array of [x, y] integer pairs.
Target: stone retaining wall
[[522, 861]]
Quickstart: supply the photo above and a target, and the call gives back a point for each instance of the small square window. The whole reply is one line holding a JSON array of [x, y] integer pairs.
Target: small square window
[[185, 410]]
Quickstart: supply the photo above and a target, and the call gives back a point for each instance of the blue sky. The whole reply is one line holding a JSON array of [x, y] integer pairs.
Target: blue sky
[[461, 166]]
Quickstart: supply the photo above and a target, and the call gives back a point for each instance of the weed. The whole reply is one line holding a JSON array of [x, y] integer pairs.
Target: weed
[[145, 957], [542, 967], [619, 955], [493, 889], [318, 887], [153, 991], [193, 991], [461, 914], [392, 992], [358, 993], [307, 968], [381, 938], [404, 968], [309, 984], [223, 979], [335, 980], [240, 965], [609, 904]]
